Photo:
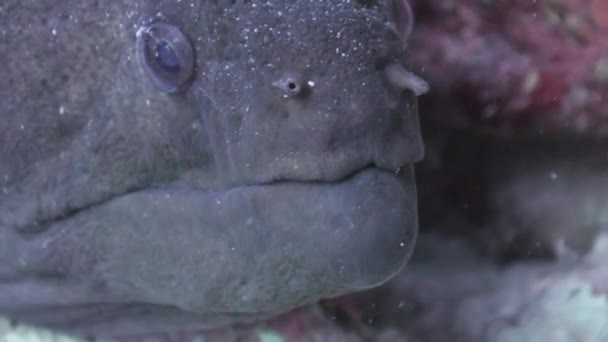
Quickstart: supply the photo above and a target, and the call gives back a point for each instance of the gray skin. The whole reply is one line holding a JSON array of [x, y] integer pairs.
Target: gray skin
[[125, 208]]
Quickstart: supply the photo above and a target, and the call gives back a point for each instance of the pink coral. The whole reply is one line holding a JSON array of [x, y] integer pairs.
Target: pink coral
[[515, 66]]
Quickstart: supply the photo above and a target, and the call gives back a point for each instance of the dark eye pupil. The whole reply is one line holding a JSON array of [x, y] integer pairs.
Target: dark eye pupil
[[291, 85], [166, 57]]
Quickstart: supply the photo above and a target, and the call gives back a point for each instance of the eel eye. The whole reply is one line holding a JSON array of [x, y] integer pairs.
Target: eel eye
[[166, 56]]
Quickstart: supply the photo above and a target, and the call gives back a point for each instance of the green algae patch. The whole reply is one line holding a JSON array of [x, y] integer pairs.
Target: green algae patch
[[25, 333], [567, 311], [270, 336]]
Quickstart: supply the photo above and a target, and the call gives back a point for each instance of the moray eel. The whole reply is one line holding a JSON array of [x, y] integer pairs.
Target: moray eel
[[185, 164]]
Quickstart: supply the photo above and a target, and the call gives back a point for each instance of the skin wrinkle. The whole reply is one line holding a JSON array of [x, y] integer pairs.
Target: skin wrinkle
[[217, 144]]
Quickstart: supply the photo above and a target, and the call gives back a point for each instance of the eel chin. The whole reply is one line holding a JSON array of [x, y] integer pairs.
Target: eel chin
[[242, 252]]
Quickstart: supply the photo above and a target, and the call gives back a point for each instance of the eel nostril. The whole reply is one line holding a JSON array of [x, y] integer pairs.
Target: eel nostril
[[291, 85], [403, 79]]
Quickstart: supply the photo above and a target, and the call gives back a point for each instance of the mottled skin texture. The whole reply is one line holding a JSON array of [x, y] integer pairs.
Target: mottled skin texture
[[125, 210]]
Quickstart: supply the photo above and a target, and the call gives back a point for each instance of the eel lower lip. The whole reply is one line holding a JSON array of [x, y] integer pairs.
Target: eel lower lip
[[269, 247], [326, 239]]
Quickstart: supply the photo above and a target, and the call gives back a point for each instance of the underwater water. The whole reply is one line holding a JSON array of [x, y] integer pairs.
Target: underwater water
[[338, 170]]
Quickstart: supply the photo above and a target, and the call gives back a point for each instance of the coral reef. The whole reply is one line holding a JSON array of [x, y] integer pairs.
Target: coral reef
[[513, 66], [453, 294]]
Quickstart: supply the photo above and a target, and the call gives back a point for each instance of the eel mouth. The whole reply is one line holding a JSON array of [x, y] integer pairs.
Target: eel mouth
[[171, 247], [42, 225]]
